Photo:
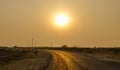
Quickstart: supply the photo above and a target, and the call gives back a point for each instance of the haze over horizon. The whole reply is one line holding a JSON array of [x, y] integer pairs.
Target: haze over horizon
[[91, 22]]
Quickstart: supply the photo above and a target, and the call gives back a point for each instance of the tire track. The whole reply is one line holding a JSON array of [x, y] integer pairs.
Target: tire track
[[74, 61], [62, 61], [57, 63], [72, 64]]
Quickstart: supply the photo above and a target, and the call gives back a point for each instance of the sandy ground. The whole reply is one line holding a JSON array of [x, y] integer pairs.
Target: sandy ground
[[61, 60], [30, 61]]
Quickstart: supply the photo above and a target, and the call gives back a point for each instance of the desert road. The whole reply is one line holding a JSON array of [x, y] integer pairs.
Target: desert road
[[61, 60]]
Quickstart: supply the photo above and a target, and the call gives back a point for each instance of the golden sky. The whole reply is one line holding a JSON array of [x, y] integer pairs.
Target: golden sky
[[91, 23]]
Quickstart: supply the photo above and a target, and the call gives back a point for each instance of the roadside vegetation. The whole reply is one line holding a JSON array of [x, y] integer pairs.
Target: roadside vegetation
[[10, 54]]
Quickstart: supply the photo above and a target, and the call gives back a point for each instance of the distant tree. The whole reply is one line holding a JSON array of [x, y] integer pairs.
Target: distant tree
[[14, 46], [74, 46], [64, 46]]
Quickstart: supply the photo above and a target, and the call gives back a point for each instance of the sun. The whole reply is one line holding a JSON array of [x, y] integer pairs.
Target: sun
[[61, 20]]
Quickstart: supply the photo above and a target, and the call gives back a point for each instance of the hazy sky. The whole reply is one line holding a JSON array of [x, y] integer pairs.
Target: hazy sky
[[93, 22]]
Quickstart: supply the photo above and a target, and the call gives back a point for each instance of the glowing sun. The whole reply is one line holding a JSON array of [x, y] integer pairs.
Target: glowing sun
[[61, 20]]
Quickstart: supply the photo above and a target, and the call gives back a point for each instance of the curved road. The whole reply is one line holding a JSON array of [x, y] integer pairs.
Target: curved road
[[63, 60], [60, 60]]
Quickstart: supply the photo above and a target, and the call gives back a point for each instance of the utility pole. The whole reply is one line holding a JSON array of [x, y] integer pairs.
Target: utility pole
[[35, 43], [32, 42]]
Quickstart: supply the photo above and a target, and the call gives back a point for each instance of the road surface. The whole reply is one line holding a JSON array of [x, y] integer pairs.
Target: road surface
[[61, 60]]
